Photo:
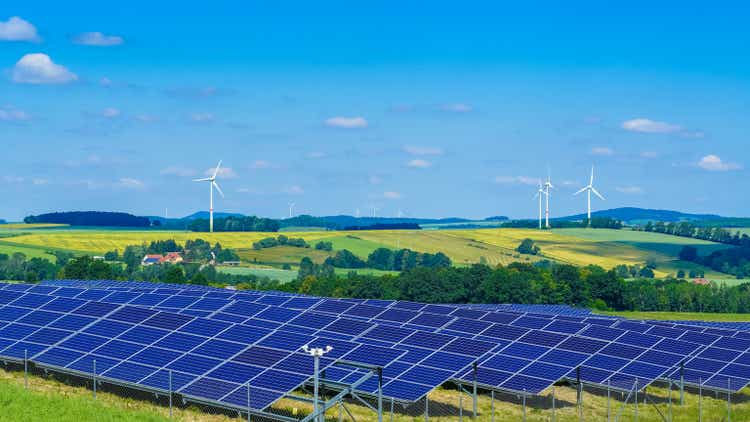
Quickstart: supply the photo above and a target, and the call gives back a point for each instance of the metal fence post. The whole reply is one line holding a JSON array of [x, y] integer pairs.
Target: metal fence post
[[524, 405], [426, 409], [608, 401], [94, 377], [460, 403], [700, 399], [492, 405], [729, 400], [636, 400], [25, 369], [248, 402], [380, 394], [170, 394], [474, 392], [670, 400], [682, 383], [554, 417], [391, 409]]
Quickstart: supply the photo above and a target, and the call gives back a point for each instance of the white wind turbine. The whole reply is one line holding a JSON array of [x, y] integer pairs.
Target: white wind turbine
[[212, 184], [547, 186], [291, 209], [588, 189], [539, 193]]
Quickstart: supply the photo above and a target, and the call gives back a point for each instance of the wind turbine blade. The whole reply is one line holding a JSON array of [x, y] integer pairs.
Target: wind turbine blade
[[216, 185], [205, 179], [217, 169], [591, 180], [581, 190], [597, 194]]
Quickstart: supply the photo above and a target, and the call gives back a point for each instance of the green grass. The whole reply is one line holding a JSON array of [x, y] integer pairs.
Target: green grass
[[356, 245], [29, 251], [279, 255], [272, 273], [682, 316], [648, 241]]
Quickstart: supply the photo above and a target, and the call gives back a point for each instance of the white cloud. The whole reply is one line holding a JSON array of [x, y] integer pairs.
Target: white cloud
[[346, 122], [40, 182], [418, 163], [714, 163], [177, 171], [38, 68], [316, 154], [422, 150], [130, 183], [391, 195], [106, 82], [13, 179], [98, 39], [516, 180], [146, 118], [650, 126], [261, 164], [649, 154], [375, 180], [10, 114], [602, 151], [630, 190], [294, 190], [457, 108], [110, 113], [17, 29], [202, 117], [224, 173]]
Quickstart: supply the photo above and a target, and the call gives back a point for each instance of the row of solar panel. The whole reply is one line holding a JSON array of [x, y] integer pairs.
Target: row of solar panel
[[596, 375], [710, 378]]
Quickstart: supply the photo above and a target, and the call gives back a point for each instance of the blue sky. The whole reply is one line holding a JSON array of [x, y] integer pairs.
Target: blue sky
[[434, 108]]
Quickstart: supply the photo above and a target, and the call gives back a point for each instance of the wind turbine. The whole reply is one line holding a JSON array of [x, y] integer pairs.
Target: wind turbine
[[547, 186], [212, 184], [291, 209], [539, 193], [590, 188]]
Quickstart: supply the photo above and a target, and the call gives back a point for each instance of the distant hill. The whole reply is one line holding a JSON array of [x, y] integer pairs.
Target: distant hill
[[3, 221], [339, 222], [204, 215], [632, 214], [90, 218]]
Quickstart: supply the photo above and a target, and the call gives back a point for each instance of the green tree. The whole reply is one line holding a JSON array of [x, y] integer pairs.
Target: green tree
[[528, 247], [175, 275]]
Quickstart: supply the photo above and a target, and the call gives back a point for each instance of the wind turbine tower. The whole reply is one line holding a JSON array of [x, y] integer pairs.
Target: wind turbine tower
[[588, 189], [547, 186], [539, 193], [291, 209], [212, 184]]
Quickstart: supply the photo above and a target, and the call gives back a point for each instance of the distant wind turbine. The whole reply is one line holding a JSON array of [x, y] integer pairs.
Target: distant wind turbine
[[547, 186], [588, 189], [539, 193], [291, 209], [212, 184]]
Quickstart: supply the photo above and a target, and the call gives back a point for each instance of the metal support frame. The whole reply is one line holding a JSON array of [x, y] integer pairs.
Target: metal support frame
[[608, 400], [93, 377], [25, 368], [700, 399], [249, 405], [651, 402], [346, 389], [729, 400], [492, 405], [170, 394], [682, 383], [554, 416], [579, 394], [524, 405], [426, 409], [625, 402], [474, 395]]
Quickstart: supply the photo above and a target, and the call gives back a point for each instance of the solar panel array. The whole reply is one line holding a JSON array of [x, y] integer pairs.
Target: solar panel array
[[633, 356], [420, 346]]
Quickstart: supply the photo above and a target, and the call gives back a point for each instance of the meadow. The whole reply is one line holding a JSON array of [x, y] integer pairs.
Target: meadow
[[603, 247]]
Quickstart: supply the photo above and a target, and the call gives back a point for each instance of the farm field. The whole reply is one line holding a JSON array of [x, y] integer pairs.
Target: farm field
[[283, 276], [681, 316], [606, 248]]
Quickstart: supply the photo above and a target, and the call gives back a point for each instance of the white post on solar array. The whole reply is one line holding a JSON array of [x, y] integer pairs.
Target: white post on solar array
[[316, 353], [25, 368]]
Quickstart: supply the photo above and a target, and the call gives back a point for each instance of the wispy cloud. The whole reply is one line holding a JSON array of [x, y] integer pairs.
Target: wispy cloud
[[202, 117], [193, 92], [423, 150], [224, 173], [97, 39], [629, 190], [375, 180], [146, 118], [110, 113], [419, 163], [293, 190], [347, 122], [11, 114], [649, 154], [392, 195], [130, 183], [316, 154], [644, 125], [516, 180], [456, 108], [178, 171], [17, 29], [603, 151], [262, 164], [38, 68], [713, 162]]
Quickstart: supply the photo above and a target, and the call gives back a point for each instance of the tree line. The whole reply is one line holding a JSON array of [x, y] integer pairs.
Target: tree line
[[591, 286], [688, 229], [90, 218], [596, 223], [235, 224]]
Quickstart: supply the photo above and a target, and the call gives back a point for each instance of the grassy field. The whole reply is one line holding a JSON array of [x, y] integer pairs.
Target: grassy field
[[682, 316], [23, 226], [48, 399], [272, 273], [606, 248]]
